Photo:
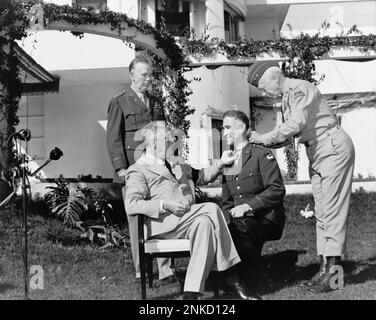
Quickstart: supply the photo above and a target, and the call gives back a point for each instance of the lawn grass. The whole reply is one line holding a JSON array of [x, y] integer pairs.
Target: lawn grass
[[73, 269]]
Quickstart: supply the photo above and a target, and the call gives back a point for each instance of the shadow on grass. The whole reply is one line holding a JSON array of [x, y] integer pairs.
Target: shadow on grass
[[4, 287], [284, 272], [68, 240], [355, 272], [360, 271], [280, 268]]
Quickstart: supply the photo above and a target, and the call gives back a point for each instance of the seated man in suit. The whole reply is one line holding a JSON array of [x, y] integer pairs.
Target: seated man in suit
[[252, 194], [168, 202]]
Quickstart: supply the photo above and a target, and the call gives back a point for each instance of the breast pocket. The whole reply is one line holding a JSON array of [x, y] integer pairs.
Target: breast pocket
[[132, 120], [251, 183]]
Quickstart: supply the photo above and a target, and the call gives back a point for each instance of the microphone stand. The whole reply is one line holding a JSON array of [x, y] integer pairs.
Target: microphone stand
[[54, 155], [41, 167], [25, 208]]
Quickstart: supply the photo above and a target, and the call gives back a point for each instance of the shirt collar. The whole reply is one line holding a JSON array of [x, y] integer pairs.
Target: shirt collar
[[139, 94], [241, 145]]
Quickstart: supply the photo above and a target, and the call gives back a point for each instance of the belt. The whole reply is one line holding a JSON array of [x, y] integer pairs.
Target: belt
[[322, 136]]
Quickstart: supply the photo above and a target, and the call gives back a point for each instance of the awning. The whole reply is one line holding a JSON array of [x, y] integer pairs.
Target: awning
[[35, 79], [346, 77]]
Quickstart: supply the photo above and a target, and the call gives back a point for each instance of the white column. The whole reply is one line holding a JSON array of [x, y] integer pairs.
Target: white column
[[242, 29], [192, 15], [148, 11], [215, 19], [129, 7], [198, 17]]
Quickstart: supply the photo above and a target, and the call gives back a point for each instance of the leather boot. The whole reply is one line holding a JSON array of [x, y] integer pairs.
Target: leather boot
[[317, 277], [325, 285]]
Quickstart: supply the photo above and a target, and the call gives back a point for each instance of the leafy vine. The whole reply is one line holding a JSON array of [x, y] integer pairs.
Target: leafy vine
[[299, 54], [171, 89], [170, 86]]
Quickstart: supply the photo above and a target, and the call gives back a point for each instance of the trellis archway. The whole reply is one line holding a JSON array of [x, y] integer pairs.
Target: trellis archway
[[170, 89], [128, 34]]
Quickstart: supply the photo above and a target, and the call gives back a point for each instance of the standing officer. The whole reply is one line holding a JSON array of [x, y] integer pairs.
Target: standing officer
[[129, 112], [252, 195], [331, 156]]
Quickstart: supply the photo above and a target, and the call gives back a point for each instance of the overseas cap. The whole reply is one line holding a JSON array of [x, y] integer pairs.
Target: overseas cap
[[257, 70]]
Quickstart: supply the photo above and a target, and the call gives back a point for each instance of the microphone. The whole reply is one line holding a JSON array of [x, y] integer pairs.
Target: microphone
[[55, 154], [24, 135]]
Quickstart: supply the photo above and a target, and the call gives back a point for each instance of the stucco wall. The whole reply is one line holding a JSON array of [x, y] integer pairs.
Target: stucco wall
[[263, 28], [221, 89], [71, 121]]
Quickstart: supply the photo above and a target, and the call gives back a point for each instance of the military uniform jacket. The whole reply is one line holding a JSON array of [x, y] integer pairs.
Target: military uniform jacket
[[127, 114], [257, 182], [304, 113]]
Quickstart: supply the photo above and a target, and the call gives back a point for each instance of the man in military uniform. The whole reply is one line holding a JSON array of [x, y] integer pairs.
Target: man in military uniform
[[331, 156], [129, 112], [252, 195], [162, 188]]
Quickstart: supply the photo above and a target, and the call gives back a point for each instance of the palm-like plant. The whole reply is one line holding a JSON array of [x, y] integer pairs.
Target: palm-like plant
[[69, 204], [66, 203]]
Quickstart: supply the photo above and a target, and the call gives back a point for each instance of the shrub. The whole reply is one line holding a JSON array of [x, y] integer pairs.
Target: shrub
[[71, 205]]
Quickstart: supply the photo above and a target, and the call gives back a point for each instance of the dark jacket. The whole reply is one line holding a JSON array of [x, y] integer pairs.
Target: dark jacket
[[258, 182], [126, 115]]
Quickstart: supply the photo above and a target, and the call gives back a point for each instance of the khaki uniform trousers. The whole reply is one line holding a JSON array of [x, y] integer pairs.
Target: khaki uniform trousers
[[331, 171], [211, 245]]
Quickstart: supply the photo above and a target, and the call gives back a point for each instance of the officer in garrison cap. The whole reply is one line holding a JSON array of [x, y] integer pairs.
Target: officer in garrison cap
[[331, 160]]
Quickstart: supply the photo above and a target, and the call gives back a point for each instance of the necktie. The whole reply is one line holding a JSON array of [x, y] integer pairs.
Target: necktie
[[142, 97], [284, 105], [168, 166]]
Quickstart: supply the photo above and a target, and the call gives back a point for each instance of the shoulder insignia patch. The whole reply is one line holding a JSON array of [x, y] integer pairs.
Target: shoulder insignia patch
[[269, 156]]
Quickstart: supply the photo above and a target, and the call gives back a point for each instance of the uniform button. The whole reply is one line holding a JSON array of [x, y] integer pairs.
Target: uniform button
[[128, 147], [238, 187], [240, 196], [237, 178], [251, 174]]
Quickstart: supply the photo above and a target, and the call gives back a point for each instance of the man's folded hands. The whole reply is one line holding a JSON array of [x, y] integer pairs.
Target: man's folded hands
[[178, 207]]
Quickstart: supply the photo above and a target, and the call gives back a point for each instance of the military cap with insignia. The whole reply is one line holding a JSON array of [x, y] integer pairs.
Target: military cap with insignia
[[257, 70]]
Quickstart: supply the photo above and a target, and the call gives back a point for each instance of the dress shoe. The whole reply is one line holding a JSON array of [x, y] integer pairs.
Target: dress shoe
[[317, 277], [188, 295], [237, 290], [324, 284]]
